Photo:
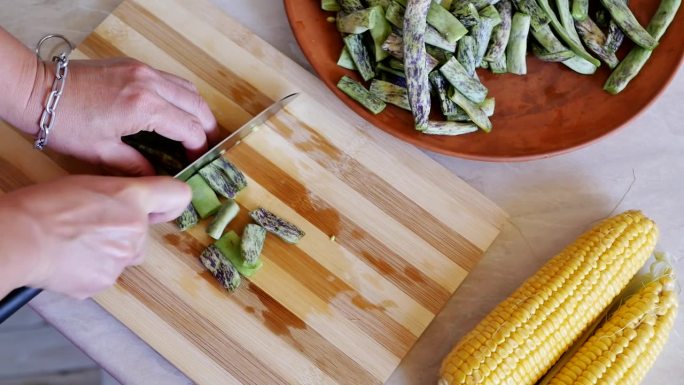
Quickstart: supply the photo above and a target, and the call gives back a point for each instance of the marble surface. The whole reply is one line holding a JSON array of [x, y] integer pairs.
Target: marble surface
[[550, 202]]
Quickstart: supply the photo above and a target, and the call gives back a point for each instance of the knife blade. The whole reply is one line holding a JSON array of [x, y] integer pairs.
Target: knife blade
[[234, 138]]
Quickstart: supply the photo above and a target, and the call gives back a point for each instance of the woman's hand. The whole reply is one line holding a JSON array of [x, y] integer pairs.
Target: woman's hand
[[104, 100], [77, 234]]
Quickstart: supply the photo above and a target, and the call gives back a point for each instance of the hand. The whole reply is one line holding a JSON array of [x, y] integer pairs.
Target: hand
[[104, 100], [76, 235]]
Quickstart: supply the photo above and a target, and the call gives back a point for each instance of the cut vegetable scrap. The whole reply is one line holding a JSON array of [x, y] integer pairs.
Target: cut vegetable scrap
[[224, 272], [204, 200], [253, 238], [223, 217], [287, 231]]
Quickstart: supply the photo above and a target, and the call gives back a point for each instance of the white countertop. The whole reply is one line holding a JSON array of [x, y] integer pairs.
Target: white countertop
[[550, 202]]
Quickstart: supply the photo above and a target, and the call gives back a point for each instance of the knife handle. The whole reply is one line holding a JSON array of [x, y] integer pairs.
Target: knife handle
[[15, 300]]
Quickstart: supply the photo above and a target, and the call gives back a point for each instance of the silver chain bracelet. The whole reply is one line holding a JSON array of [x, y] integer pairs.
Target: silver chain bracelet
[[47, 119]]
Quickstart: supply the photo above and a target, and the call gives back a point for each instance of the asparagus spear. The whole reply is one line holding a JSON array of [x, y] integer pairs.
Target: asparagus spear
[[454, 72], [621, 14], [446, 23], [638, 56], [360, 56], [358, 92], [379, 32], [501, 33], [220, 268], [595, 40], [188, 218], [489, 18], [357, 22], [204, 199], [441, 88], [345, 60], [516, 62], [223, 217], [467, 14], [465, 54], [580, 9], [229, 246], [253, 238], [330, 5], [476, 114], [542, 54], [349, 6], [450, 128], [390, 93], [274, 224], [417, 71], [539, 17]]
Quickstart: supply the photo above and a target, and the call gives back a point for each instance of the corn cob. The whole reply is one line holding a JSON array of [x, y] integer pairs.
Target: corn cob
[[623, 349], [526, 334]]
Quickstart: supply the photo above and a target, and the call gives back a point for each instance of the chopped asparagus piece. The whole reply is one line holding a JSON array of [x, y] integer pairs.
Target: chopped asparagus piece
[[253, 238], [379, 33], [395, 14], [223, 217], [501, 33], [220, 268], [516, 62], [575, 45], [542, 54], [622, 15], [441, 88], [360, 56], [357, 22], [595, 40], [487, 106], [188, 218], [204, 199], [358, 92], [538, 15], [434, 38], [345, 60], [638, 56], [465, 54], [349, 6], [330, 5], [467, 14], [229, 246], [489, 18], [450, 128], [388, 69], [276, 225], [580, 9], [476, 114], [390, 93], [218, 180], [417, 71], [499, 65], [446, 23], [454, 72]]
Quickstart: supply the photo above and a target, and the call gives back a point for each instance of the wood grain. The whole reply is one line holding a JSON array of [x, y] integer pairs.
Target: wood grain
[[320, 312]]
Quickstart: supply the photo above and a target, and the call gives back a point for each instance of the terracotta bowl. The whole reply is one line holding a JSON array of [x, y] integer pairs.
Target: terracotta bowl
[[550, 111]]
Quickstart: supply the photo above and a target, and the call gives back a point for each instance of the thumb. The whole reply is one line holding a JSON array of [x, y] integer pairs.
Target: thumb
[[163, 198]]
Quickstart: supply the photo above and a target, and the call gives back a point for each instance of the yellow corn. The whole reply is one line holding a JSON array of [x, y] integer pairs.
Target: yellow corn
[[525, 335], [625, 347]]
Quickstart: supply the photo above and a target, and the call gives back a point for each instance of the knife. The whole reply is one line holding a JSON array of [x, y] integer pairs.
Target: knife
[[21, 296], [234, 138]]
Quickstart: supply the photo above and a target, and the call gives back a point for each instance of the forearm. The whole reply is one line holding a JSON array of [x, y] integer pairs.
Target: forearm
[[21, 73], [17, 249]]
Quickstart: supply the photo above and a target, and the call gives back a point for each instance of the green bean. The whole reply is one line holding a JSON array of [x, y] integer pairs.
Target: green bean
[[467, 14], [441, 88], [580, 9], [501, 33], [360, 55], [638, 56], [542, 54], [357, 22], [499, 66], [487, 107], [489, 18], [454, 72], [223, 217], [516, 62], [349, 6], [379, 32], [417, 82], [474, 111], [446, 23], [358, 92], [330, 5], [386, 68], [550, 42], [345, 60], [621, 14], [595, 40], [395, 14], [576, 46], [539, 18], [450, 128], [390, 93], [465, 54], [379, 3], [434, 38]]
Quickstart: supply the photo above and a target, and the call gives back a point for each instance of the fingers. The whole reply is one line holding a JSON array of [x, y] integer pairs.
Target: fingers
[[176, 124], [126, 160], [184, 95], [162, 198]]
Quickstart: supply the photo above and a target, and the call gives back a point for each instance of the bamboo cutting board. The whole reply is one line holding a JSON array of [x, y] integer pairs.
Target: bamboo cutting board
[[407, 232]]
